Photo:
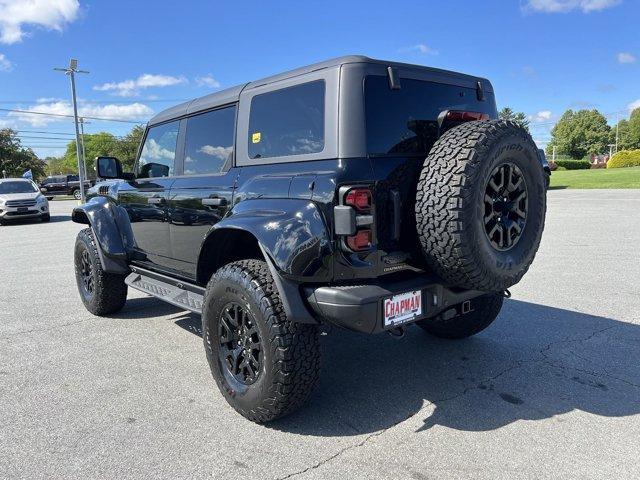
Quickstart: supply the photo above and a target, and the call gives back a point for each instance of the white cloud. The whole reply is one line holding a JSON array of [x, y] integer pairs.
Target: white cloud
[[541, 116], [131, 88], [5, 64], [633, 105], [624, 57], [133, 111], [421, 48], [207, 81], [50, 14], [218, 152], [564, 6], [528, 70]]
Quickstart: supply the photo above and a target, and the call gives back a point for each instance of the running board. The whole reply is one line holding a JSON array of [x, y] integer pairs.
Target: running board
[[176, 292]]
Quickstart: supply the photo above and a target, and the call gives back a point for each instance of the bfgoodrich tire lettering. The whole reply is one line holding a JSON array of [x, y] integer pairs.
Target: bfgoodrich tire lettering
[[102, 293], [290, 362], [450, 205]]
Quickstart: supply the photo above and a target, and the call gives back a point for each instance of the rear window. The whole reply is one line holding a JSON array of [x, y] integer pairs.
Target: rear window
[[287, 122], [404, 122]]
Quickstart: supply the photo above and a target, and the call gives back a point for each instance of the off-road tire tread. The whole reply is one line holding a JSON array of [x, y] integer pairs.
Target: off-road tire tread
[[485, 310], [445, 196], [110, 293], [295, 346]]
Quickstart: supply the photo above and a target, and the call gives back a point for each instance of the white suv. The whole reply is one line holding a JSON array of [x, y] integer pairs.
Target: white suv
[[21, 198]]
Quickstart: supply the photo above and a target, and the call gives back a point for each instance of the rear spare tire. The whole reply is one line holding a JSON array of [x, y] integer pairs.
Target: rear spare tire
[[481, 204]]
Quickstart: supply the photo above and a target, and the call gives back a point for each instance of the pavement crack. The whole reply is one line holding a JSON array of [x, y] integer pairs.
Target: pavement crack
[[340, 452]]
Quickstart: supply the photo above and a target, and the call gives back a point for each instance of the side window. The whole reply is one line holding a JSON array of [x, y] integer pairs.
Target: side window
[[209, 141], [288, 121], [159, 151]]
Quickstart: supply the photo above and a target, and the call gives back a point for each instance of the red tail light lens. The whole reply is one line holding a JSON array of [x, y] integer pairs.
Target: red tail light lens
[[360, 241], [359, 198], [462, 116]]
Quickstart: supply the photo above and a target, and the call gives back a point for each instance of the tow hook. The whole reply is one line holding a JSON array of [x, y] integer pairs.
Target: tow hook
[[397, 332]]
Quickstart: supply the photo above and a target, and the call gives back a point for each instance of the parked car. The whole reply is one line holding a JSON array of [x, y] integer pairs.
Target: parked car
[[63, 185], [20, 199], [361, 193]]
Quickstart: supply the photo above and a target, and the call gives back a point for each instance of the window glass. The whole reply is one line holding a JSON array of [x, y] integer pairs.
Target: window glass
[[17, 186], [209, 141], [159, 151], [405, 121], [288, 121]]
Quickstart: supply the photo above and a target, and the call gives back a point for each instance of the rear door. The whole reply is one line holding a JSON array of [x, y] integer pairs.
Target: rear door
[[145, 198], [202, 195]]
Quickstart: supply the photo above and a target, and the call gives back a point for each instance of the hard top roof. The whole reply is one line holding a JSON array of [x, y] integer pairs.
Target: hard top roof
[[232, 94]]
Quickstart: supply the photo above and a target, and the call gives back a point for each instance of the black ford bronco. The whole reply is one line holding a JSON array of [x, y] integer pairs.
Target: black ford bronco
[[360, 193]]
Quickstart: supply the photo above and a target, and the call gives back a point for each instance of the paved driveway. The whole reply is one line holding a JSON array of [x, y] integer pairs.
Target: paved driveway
[[551, 390]]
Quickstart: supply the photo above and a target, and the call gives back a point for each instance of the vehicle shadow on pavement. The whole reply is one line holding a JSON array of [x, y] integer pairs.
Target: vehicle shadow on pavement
[[535, 362]]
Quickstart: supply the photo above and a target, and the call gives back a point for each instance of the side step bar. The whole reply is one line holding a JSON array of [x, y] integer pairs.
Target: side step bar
[[176, 292]]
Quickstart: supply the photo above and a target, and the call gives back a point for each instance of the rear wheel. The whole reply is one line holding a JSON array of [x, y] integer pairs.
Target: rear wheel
[[465, 319], [265, 365], [102, 293], [76, 194]]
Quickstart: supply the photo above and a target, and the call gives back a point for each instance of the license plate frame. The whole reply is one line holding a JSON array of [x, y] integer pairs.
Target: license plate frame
[[402, 308]]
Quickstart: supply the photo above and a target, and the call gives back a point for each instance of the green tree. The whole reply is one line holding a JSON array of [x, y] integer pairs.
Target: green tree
[[16, 159], [95, 145], [127, 148], [581, 133], [518, 117]]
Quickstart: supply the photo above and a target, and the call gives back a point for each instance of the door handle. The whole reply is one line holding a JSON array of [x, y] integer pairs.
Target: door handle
[[214, 202], [156, 200]]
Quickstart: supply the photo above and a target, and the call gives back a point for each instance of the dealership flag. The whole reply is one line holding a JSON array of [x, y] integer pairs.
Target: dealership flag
[[28, 175]]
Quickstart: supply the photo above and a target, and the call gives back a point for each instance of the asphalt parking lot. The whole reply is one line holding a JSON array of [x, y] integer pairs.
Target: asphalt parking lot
[[551, 390]]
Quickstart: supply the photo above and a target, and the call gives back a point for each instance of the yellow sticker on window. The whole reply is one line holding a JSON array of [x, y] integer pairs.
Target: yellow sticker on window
[[255, 138]]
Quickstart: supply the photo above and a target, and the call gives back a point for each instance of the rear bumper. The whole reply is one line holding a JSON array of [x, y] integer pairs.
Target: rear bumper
[[361, 307]]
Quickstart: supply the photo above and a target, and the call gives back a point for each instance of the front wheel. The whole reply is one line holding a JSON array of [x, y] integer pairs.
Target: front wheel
[[465, 319], [76, 194], [265, 365], [102, 293]]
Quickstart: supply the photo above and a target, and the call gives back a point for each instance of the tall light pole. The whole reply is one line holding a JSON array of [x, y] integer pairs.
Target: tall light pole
[[84, 156], [71, 70]]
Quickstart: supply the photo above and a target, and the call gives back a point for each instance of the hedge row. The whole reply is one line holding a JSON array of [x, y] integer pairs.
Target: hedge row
[[574, 164], [625, 158]]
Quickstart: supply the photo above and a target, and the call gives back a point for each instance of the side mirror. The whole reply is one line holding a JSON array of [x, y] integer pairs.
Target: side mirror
[[108, 167]]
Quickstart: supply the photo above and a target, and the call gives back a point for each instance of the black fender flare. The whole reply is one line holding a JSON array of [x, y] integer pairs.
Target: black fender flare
[[294, 240], [104, 218], [292, 232]]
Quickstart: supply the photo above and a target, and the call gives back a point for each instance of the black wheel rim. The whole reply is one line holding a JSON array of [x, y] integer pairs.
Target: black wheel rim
[[505, 206], [86, 272], [240, 346]]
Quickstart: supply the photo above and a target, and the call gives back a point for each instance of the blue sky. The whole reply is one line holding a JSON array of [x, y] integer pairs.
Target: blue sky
[[543, 56]]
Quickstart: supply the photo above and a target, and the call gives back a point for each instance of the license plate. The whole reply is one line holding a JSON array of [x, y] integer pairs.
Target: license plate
[[23, 209], [402, 308]]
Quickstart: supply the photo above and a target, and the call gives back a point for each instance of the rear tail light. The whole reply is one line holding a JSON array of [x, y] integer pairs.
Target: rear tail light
[[354, 218], [359, 198], [360, 241]]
